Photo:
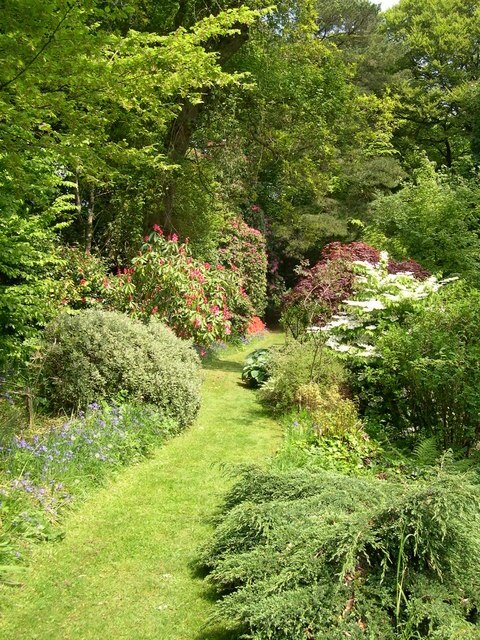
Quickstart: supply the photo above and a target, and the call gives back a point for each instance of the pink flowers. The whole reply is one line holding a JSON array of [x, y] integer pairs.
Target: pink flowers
[[157, 229]]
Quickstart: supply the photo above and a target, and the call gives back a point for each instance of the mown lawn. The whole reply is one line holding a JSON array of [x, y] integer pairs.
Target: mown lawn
[[125, 568]]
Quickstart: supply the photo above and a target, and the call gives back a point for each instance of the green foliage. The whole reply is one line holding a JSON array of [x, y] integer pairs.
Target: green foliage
[[317, 554], [435, 220], [255, 370], [381, 299], [426, 378], [97, 355], [29, 262], [333, 414], [295, 365], [438, 47], [194, 298], [327, 432], [243, 248], [84, 279]]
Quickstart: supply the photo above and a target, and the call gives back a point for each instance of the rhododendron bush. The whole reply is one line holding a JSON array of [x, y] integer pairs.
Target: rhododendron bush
[[196, 299], [243, 249]]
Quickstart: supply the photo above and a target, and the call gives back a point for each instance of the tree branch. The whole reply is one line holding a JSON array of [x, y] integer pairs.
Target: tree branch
[[40, 51]]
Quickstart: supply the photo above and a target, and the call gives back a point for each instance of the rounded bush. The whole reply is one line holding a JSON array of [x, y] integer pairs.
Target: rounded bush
[[98, 355]]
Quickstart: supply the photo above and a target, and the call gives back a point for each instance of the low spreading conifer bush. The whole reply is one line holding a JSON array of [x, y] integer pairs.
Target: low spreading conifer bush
[[313, 555], [98, 355]]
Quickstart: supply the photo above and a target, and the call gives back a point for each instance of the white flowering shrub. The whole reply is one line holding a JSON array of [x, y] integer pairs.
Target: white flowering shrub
[[380, 300]]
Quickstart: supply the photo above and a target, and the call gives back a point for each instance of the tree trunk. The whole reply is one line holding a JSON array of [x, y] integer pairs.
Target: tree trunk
[[78, 199], [179, 136], [89, 227]]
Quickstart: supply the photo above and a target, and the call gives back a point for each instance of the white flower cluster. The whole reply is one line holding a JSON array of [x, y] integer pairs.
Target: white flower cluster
[[380, 298]]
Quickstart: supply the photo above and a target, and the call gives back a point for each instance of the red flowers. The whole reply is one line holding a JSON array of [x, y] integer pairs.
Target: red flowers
[[255, 326]]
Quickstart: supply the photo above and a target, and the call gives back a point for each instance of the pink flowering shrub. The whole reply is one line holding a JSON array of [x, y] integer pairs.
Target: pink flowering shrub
[[195, 299], [243, 249], [255, 326]]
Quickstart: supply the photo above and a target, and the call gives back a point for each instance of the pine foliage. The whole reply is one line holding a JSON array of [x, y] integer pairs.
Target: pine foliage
[[320, 555]]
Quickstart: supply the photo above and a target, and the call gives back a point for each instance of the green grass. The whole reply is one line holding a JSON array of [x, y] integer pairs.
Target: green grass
[[125, 568]]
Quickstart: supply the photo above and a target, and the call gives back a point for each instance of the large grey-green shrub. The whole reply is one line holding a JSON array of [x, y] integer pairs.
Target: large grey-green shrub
[[98, 355]]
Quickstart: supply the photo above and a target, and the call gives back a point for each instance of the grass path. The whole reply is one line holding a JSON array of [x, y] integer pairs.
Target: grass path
[[124, 571]]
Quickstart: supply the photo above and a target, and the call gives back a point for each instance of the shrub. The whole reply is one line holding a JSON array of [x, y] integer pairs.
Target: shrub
[[317, 296], [427, 378], [295, 365], [381, 299], [84, 279], [350, 451], [195, 299], [332, 414], [255, 371], [97, 355], [309, 554], [255, 326], [321, 290], [243, 249]]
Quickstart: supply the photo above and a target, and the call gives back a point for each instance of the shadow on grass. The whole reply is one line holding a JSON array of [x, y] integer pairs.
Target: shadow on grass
[[218, 633], [216, 364], [213, 630]]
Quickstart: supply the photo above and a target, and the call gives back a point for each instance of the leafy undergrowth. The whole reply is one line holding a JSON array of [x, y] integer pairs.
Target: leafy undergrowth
[[124, 569], [317, 554]]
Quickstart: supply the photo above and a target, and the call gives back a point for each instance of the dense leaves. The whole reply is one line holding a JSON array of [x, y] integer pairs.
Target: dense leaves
[[317, 554], [98, 355]]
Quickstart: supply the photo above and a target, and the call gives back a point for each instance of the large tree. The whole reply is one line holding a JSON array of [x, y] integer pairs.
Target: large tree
[[440, 42]]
